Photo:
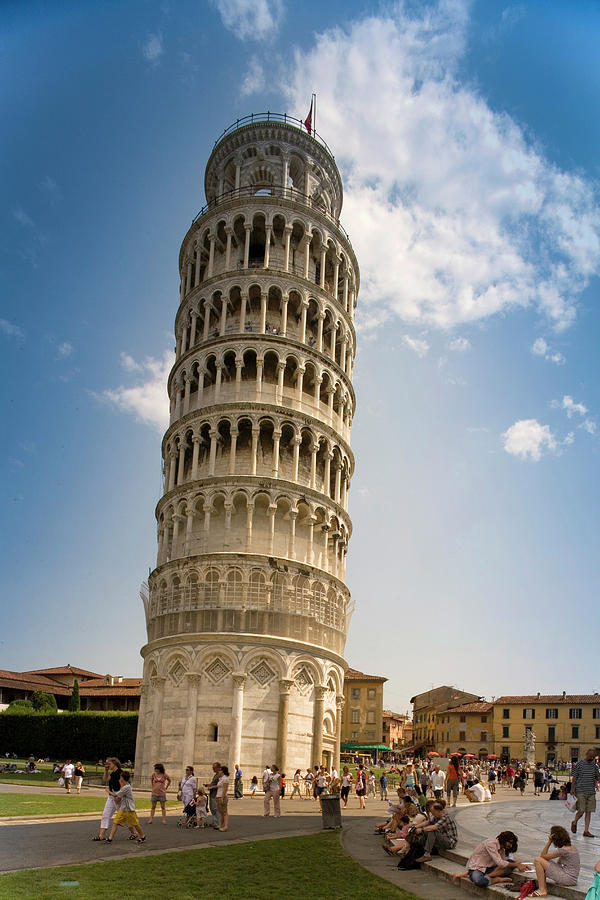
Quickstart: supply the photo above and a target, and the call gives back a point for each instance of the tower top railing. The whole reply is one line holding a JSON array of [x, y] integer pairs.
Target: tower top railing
[[270, 192], [273, 117]]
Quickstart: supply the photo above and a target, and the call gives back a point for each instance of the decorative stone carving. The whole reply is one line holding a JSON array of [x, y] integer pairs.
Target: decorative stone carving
[[177, 672], [303, 680], [217, 670], [262, 673]]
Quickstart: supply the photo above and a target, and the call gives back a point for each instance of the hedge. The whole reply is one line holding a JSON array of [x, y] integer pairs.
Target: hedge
[[78, 735]]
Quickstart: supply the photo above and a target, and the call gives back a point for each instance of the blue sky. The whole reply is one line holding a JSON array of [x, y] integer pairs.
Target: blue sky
[[467, 137]]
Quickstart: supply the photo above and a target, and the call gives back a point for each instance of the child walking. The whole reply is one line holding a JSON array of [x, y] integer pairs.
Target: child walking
[[201, 808], [126, 814]]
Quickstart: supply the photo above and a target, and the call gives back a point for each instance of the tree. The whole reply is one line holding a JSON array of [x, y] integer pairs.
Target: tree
[[19, 707], [74, 699], [43, 702]]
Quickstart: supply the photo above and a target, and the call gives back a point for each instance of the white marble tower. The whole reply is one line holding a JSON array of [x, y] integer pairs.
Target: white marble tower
[[247, 609]]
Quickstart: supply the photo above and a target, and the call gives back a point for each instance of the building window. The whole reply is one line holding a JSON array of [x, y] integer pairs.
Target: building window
[[483, 737], [371, 693], [505, 731], [354, 735], [355, 693], [371, 717], [462, 736], [574, 754], [506, 752], [506, 713], [528, 713], [596, 712], [484, 718], [575, 713], [575, 731], [597, 732], [552, 713], [213, 732], [463, 719], [370, 735], [355, 716], [551, 732]]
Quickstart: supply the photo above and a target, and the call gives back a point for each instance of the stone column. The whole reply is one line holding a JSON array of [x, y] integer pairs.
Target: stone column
[[219, 375], [286, 259], [293, 514], [309, 544], [214, 434], [181, 464], [172, 469], [263, 312], [223, 314], [254, 451], [237, 716], [280, 374], [285, 686], [189, 733], [321, 318], [183, 337], [322, 274], [275, 462], [248, 229], [243, 301], [232, 451], [188, 530], [259, 376], [303, 322], [239, 365], [158, 695], [306, 254], [186, 395], [206, 320], [327, 475], [272, 509], [194, 318], [284, 314], [317, 748], [336, 276], [229, 233], [267, 246], [211, 255], [297, 441], [198, 265], [249, 516], [195, 453], [314, 449]]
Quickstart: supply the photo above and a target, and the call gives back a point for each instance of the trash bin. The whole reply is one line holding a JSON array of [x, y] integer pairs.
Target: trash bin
[[331, 811]]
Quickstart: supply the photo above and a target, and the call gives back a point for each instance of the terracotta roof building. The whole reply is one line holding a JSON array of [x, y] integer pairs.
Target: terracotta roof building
[[97, 692], [362, 718]]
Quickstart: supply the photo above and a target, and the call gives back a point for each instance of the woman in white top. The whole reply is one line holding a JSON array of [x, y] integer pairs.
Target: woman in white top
[[188, 785], [296, 785]]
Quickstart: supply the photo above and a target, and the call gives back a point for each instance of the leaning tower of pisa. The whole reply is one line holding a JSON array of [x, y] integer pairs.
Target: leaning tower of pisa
[[247, 609]]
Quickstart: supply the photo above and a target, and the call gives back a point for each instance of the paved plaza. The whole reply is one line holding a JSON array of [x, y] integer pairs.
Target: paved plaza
[[67, 840]]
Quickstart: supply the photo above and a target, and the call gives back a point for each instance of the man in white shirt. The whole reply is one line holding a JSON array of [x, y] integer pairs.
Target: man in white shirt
[[67, 774], [266, 776], [438, 779]]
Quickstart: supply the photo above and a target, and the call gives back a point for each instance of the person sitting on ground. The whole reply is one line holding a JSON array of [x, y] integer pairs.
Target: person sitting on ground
[[396, 842], [561, 866], [441, 832], [490, 862]]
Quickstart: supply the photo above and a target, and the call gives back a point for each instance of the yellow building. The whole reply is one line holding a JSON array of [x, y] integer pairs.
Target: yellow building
[[428, 705], [362, 718], [467, 728], [397, 729], [564, 725]]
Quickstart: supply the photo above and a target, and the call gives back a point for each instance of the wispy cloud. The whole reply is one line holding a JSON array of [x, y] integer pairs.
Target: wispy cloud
[[471, 218], [527, 439], [251, 19], [147, 400], [418, 346], [254, 80], [589, 425], [570, 406], [460, 345], [51, 188], [152, 48], [64, 350], [10, 330], [22, 218], [541, 347]]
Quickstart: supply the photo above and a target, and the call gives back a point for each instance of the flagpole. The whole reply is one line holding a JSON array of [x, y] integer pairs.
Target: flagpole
[[315, 118]]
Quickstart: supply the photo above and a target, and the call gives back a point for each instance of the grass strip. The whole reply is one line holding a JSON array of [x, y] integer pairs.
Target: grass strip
[[312, 866], [50, 804]]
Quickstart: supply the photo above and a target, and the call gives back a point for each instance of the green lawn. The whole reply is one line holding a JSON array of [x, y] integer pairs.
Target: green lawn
[[44, 779], [313, 867], [54, 804]]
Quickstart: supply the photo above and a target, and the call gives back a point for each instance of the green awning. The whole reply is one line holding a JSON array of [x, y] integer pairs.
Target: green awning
[[367, 747]]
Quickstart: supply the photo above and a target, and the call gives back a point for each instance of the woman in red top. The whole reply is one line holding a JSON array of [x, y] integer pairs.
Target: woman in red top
[[160, 783], [453, 776]]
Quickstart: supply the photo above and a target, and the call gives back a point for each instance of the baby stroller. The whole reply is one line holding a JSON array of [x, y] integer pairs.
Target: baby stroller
[[188, 819]]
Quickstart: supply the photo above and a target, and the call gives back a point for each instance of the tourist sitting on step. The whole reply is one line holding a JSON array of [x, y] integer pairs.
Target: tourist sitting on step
[[491, 862], [560, 866], [440, 832]]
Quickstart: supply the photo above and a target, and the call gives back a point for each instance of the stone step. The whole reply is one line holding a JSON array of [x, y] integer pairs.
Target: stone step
[[451, 861]]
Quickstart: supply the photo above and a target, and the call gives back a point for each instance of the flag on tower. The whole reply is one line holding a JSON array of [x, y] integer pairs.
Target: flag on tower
[[308, 119]]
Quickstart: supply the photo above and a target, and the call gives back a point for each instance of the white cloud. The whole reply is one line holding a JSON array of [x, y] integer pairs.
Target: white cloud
[[254, 80], [51, 188], [22, 217], [528, 439], [147, 400], [469, 219], [420, 347], [251, 19], [589, 426], [65, 349], [541, 347], [9, 329], [152, 48], [568, 404], [570, 439], [460, 345]]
